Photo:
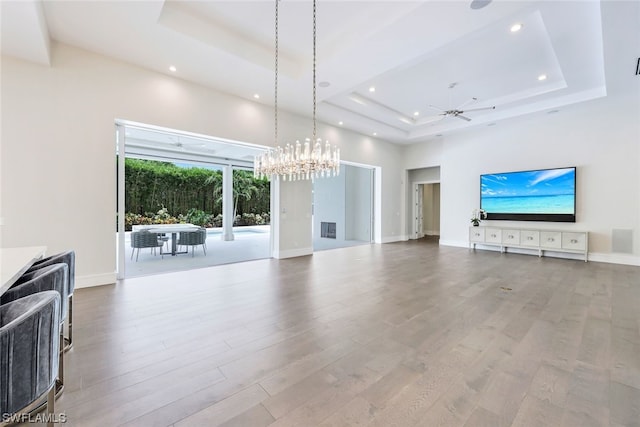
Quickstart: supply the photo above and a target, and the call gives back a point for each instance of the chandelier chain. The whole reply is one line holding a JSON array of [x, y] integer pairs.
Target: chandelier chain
[[314, 72], [297, 161], [275, 97]]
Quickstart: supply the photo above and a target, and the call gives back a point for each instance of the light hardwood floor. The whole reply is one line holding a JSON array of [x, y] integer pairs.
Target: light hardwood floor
[[402, 334]]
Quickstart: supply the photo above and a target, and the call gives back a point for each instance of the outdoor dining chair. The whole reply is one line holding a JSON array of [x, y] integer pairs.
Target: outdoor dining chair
[[144, 239], [193, 239]]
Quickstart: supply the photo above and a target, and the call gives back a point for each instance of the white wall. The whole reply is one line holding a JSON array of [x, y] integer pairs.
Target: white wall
[[58, 145], [600, 137], [358, 203], [292, 218]]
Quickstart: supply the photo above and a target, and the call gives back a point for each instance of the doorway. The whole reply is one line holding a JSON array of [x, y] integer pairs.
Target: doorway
[[426, 211], [178, 158], [343, 208]]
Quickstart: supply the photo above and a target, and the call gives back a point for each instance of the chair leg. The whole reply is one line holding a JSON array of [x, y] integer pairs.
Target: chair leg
[[51, 399], [60, 380], [204, 248], [69, 339], [137, 254]]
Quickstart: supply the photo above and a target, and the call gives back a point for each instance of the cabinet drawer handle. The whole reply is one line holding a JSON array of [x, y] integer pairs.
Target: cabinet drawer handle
[[529, 238], [477, 234], [574, 241], [493, 235], [550, 239], [510, 236]]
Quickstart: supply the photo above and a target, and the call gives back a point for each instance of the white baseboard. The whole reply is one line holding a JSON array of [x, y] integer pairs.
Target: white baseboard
[[391, 239], [453, 243], [615, 258], [292, 253], [592, 256], [95, 280]]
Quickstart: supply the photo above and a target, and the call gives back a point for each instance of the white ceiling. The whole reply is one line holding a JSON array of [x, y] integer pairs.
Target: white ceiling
[[410, 51], [150, 142]]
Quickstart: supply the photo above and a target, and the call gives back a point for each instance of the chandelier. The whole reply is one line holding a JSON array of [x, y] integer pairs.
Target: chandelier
[[306, 160]]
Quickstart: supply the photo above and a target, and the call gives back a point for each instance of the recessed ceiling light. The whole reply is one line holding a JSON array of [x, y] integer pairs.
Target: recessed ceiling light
[[553, 111], [491, 124], [416, 113], [516, 27], [324, 84], [173, 69], [372, 89], [542, 77], [438, 134], [479, 4], [256, 96], [340, 123], [375, 134]]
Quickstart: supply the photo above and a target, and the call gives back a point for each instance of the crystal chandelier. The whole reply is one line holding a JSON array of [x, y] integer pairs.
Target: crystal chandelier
[[299, 161]]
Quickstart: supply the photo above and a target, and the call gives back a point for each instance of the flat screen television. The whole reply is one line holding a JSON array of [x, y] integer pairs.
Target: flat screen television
[[534, 195]]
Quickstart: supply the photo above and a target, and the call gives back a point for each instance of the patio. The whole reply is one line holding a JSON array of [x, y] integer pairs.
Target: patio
[[250, 243]]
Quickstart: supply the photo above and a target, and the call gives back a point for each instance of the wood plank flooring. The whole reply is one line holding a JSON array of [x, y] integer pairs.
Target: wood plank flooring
[[402, 334]]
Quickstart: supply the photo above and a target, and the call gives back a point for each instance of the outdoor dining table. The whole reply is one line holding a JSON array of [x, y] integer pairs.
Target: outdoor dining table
[[174, 229]]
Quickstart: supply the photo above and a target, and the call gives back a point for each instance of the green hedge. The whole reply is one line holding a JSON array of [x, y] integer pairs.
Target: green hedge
[[194, 193]]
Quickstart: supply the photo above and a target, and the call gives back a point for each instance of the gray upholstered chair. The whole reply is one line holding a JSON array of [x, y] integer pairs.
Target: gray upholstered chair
[[29, 354], [144, 239], [50, 278], [69, 258], [193, 239]]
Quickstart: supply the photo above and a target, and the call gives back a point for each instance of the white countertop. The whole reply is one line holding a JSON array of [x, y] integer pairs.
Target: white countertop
[[15, 261]]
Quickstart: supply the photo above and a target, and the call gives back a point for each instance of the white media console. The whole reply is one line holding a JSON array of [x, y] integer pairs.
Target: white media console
[[576, 242]]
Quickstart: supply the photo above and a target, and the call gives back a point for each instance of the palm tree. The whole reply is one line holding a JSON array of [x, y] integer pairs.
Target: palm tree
[[243, 187]]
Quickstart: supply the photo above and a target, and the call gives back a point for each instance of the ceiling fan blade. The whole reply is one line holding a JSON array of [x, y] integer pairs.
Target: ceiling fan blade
[[436, 108], [479, 109], [462, 117], [431, 119], [464, 104]]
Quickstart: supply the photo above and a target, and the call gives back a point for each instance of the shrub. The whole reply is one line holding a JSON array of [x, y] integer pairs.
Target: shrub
[[149, 218], [199, 217], [217, 221]]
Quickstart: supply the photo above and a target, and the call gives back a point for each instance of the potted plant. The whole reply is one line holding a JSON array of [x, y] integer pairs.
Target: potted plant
[[477, 216]]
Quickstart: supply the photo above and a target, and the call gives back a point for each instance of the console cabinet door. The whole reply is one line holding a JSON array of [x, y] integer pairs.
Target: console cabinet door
[[511, 237], [530, 238], [574, 241], [551, 239], [493, 235], [476, 234]]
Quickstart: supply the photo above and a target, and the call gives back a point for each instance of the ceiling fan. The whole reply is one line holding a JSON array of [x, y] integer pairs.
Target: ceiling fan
[[456, 112]]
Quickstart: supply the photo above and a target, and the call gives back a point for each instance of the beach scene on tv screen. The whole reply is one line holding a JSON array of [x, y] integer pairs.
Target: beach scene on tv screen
[[550, 191]]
